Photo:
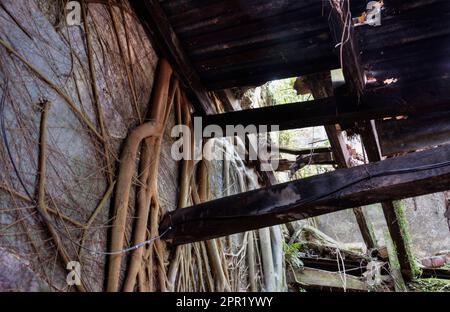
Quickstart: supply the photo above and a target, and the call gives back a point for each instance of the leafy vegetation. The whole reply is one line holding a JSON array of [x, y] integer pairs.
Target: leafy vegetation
[[430, 285], [399, 207], [293, 254]]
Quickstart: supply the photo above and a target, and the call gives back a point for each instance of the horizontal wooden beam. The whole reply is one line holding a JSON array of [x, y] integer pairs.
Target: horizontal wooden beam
[[304, 151], [435, 273], [259, 73], [374, 104], [413, 133], [411, 175], [305, 160], [319, 278]]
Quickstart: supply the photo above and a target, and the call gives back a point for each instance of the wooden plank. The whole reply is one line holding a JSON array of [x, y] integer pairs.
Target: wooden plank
[[411, 175], [394, 266], [355, 79], [305, 160], [316, 46], [400, 27], [413, 133], [411, 45], [435, 273], [174, 7], [222, 14], [168, 45], [320, 278], [352, 267], [305, 151], [261, 73], [277, 29]]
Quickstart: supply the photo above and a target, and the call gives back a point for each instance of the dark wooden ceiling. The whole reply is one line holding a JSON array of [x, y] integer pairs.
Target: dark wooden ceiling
[[412, 44], [234, 43], [218, 44], [248, 42]]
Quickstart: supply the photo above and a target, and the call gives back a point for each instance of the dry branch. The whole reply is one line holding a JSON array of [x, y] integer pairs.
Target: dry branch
[[42, 208], [80, 115]]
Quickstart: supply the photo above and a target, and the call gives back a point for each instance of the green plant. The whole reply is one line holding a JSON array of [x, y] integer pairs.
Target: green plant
[[293, 254]]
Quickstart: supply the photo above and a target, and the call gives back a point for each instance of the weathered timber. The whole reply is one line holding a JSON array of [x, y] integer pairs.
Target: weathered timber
[[371, 144], [341, 27], [411, 45], [321, 86], [411, 175], [305, 160], [288, 27], [320, 278], [435, 273], [404, 26], [167, 44], [373, 104], [394, 266], [249, 42], [413, 133], [352, 267], [262, 72], [199, 17], [317, 47], [305, 151]]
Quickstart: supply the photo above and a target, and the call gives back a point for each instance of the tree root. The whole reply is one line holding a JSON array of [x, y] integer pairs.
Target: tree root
[[127, 168], [42, 207], [98, 106], [148, 196]]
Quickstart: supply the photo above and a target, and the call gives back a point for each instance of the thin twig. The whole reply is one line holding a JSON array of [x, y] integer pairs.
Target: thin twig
[[61, 93]]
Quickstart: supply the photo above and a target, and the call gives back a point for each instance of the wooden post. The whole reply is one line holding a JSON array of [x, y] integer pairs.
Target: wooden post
[[321, 86], [397, 229]]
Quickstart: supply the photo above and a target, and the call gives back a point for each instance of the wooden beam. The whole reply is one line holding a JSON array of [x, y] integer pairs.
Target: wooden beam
[[397, 232], [353, 267], [321, 86], [373, 104], [435, 273], [355, 80], [320, 278], [305, 160], [413, 133], [342, 30], [411, 175], [166, 42], [306, 151], [259, 73]]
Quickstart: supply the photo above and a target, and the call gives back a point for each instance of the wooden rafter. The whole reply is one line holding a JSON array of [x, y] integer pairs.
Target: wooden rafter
[[411, 175], [373, 104], [305, 160], [413, 133], [341, 26]]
